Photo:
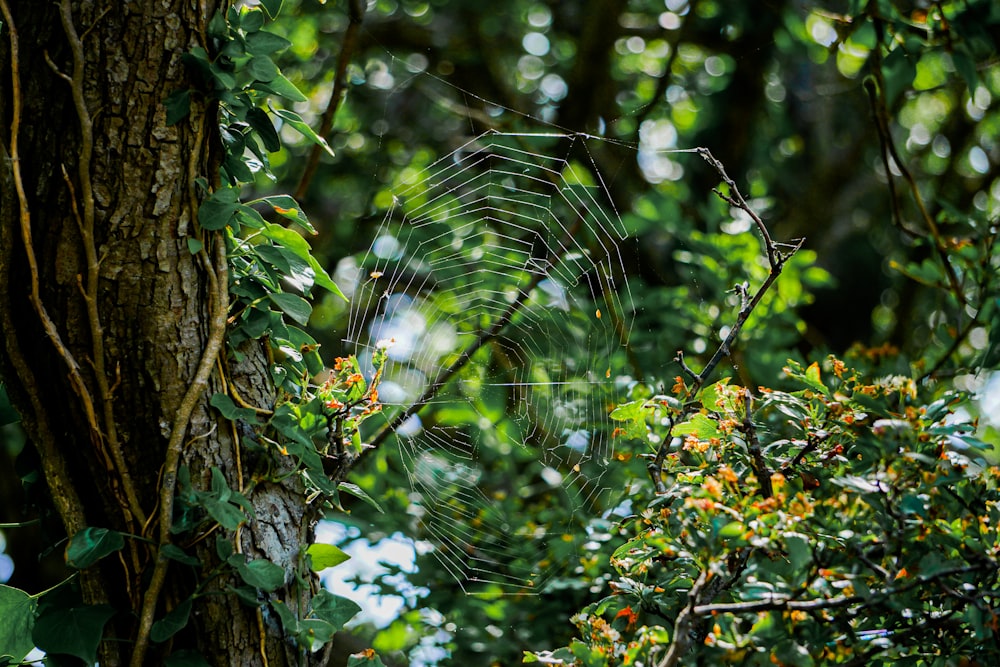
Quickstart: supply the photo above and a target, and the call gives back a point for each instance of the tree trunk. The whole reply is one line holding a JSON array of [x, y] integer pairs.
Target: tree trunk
[[109, 318]]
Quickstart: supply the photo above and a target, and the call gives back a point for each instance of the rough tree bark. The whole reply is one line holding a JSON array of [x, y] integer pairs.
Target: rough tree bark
[[108, 317]]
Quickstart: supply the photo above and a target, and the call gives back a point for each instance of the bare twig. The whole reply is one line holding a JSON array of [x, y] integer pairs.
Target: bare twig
[[777, 255], [356, 12], [447, 373]]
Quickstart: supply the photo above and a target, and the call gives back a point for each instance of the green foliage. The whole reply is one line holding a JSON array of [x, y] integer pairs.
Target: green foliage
[[853, 517], [92, 544], [18, 611]]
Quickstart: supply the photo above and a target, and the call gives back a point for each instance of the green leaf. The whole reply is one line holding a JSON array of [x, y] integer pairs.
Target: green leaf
[[262, 574], [293, 305], [194, 245], [966, 66], [264, 43], [303, 128], [288, 208], [703, 427], [17, 609], [226, 514], [186, 658], [283, 87], [288, 620], [291, 240], [178, 104], [261, 123], [300, 247], [172, 623], [217, 211], [898, 69], [322, 556], [262, 68], [229, 409], [75, 630], [247, 595], [634, 414], [334, 609], [220, 488], [251, 20], [715, 398], [272, 7], [358, 492], [314, 634], [731, 529], [223, 547], [91, 545], [174, 552]]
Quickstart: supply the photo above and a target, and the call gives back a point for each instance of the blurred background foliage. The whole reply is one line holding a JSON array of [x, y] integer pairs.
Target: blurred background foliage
[[800, 100]]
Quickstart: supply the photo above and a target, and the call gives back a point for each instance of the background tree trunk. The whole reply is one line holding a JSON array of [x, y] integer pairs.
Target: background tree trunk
[[110, 201]]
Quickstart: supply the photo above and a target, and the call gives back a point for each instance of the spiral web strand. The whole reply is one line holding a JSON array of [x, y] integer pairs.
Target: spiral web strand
[[497, 282]]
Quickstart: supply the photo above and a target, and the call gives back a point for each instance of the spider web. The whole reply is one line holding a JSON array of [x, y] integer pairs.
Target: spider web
[[497, 282]]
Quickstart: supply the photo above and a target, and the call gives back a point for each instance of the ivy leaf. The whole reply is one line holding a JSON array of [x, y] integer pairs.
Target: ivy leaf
[[172, 623], [288, 620], [358, 492], [174, 552], [262, 574], [227, 515], [966, 66], [261, 123], [247, 595], [262, 68], [220, 488], [283, 87], [216, 211], [303, 128], [263, 43], [322, 556], [73, 630], [252, 20], [178, 104], [91, 545], [334, 609], [293, 305], [17, 609], [300, 247], [229, 409], [288, 208], [223, 547], [314, 634]]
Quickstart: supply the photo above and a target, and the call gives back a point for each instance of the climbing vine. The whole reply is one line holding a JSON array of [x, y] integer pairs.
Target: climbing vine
[[263, 275]]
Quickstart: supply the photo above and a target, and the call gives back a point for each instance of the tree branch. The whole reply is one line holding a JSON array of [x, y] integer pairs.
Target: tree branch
[[356, 12], [776, 258], [681, 639]]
